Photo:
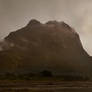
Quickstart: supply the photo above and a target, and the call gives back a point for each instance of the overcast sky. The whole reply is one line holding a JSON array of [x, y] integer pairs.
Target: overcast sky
[[15, 14]]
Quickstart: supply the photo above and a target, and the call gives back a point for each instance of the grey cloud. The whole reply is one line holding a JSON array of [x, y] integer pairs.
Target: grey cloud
[[15, 14]]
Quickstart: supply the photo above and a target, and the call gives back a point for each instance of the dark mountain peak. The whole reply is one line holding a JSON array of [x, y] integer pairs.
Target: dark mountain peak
[[56, 23], [33, 22], [61, 26]]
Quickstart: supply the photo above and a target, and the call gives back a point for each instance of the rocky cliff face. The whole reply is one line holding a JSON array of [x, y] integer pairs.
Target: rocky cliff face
[[53, 46]]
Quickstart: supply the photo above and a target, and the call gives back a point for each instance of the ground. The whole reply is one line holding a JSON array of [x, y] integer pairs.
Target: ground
[[45, 86]]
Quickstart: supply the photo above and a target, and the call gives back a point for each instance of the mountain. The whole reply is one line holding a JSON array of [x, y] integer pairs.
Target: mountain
[[53, 46]]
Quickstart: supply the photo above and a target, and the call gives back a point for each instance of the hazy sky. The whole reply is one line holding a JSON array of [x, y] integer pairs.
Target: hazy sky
[[15, 14]]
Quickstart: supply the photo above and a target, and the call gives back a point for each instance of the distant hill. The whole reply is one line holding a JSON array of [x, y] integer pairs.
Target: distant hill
[[53, 46]]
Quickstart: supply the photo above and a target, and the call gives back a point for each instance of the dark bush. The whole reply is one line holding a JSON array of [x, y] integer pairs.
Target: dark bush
[[46, 73]]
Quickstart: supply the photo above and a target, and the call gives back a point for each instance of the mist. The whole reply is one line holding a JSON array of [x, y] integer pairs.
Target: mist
[[15, 14]]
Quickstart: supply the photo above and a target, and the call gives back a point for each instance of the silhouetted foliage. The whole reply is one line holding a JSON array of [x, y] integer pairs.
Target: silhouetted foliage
[[74, 77], [46, 73]]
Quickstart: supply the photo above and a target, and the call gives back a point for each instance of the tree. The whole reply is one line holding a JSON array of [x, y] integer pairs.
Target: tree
[[46, 73]]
